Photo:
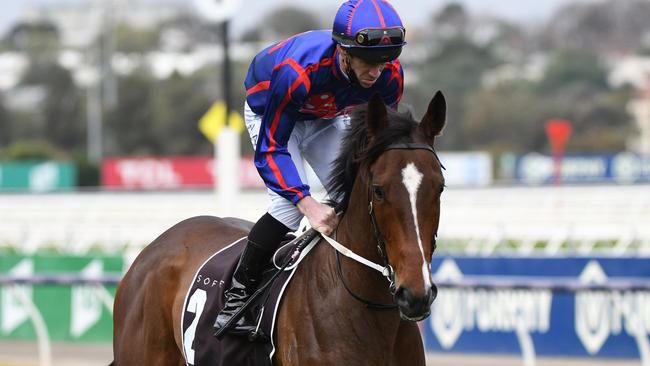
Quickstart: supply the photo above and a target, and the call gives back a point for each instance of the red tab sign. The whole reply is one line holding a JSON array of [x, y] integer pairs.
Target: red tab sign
[[170, 173], [558, 132]]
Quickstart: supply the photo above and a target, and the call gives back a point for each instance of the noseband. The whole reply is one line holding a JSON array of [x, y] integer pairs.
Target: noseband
[[381, 244]]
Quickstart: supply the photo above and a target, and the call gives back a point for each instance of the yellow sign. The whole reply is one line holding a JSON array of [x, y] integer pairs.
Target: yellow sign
[[215, 118]]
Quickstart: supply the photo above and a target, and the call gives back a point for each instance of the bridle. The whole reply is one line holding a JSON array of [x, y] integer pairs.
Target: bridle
[[379, 239]]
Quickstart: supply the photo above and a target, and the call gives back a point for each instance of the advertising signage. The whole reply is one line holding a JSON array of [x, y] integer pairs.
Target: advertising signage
[[601, 323], [187, 172], [623, 168], [37, 176], [171, 173], [77, 313]]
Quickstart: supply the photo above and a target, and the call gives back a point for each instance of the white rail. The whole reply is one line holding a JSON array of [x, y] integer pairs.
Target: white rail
[[547, 220]]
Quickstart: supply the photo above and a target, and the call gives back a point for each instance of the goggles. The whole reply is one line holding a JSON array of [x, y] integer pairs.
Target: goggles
[[370, 37], [374, 37]]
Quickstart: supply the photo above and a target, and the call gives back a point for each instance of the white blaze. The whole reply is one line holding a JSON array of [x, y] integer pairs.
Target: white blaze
[[412, 178]]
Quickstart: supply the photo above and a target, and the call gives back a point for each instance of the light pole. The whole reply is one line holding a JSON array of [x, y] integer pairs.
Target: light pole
[[226, 144], [88, 77]]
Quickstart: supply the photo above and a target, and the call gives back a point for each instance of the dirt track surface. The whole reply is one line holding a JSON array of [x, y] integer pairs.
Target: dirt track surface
[[26, 354], [63, 354]]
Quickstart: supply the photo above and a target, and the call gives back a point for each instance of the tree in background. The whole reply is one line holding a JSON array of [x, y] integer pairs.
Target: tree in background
[[5, 130], [505, 118], [129, 128], [456, 67], [178, 104], [574, 68], [62, 110], [452, 21], [40, 149], [56, 114], [281, 23], [39, 40], [602, 26], [130, 40], [575, 88], [160, 117], [511, 115], [602, 124], [289, 20]]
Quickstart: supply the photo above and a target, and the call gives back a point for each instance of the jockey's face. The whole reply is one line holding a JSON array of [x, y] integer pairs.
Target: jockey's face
[[366, 73]]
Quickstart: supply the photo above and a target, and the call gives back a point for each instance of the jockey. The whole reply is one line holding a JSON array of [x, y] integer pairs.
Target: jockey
[[298, 95]]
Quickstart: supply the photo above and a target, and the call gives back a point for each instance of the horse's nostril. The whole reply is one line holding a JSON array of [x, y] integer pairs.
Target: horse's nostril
[[404, 294], [433, 293], [414, 307]]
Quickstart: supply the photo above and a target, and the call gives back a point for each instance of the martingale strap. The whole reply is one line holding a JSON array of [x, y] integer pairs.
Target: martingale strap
[[385, 271]]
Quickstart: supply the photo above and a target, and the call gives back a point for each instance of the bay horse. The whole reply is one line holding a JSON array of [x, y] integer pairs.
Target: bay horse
[[387, 182]]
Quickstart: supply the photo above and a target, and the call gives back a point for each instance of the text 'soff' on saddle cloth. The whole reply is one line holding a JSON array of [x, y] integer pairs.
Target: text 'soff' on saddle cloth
[[205, 299]]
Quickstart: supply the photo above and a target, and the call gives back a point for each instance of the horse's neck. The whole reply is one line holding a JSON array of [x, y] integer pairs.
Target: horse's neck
[[355, 232], [355, 229]]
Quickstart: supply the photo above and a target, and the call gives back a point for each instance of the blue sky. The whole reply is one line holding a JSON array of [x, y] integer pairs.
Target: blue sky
[[412, 12]]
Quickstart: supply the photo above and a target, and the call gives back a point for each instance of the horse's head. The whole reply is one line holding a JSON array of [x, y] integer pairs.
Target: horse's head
[[405, 183], [399, 179]]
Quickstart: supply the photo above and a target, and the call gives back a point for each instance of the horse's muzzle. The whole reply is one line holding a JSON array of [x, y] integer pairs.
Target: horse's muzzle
[[415, 308]]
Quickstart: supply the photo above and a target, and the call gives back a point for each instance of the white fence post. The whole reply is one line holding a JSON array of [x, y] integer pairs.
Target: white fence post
[[42, 335]]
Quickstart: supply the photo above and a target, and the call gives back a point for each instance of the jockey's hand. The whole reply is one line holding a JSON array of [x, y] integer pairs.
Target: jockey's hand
[[321, 217]]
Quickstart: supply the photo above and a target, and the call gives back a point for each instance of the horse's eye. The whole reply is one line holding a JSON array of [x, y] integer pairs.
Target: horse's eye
[[378, 192], [433, 245]]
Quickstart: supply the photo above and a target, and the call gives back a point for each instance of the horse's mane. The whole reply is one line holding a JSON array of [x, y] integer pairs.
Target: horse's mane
[[355, 151]]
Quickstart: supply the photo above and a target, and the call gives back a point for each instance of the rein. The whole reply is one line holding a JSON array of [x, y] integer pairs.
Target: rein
[[386, 270]]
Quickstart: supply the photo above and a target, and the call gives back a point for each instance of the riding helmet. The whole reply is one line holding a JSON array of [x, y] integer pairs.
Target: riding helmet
[[369, 29]]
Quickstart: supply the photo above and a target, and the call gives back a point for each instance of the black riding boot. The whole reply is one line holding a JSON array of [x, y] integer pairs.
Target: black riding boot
[[262, 242], [245, 281]]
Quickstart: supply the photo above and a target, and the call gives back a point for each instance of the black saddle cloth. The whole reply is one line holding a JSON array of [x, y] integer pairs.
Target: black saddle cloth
[[205, 299]]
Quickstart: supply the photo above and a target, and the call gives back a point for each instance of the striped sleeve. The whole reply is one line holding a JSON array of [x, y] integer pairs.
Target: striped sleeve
[[392, 93], [288, 88]]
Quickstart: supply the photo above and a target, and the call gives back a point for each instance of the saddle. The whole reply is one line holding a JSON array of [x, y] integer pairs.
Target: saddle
[[205, 298]]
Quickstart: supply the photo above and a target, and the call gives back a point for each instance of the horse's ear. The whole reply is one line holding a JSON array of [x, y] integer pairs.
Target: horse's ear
[[434, 120], [376, 115]]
